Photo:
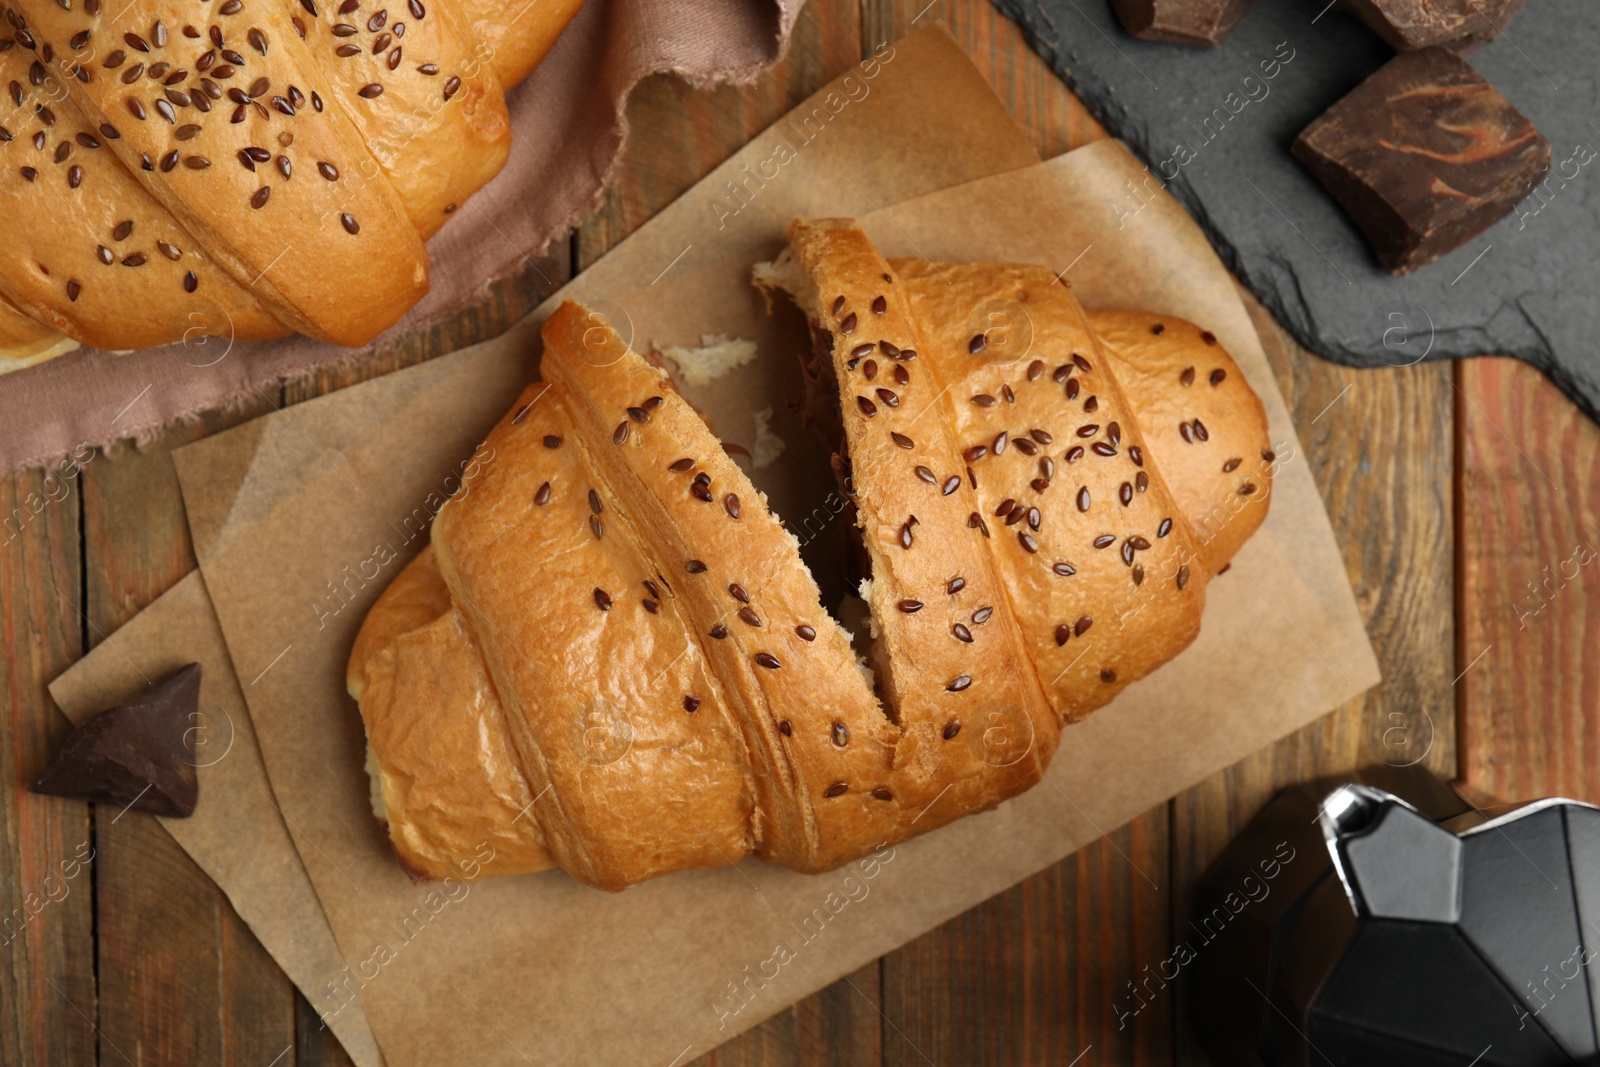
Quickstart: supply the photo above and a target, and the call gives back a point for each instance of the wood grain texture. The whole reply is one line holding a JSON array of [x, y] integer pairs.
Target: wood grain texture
[[47, 974], [1529, 606]]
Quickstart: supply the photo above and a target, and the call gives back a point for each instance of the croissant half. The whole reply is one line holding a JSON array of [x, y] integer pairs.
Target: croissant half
[[248, 168], [612, 659]]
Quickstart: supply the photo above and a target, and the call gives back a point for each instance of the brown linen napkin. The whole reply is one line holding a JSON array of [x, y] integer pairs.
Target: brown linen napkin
[[568, 127]]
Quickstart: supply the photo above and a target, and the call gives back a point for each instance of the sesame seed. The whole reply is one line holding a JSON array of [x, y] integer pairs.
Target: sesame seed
[[767, 660], [73, 289], [879, 306], [451, 87], [351, 226], [620, 434], [1217, 376], [805, 632], [868, 408], [190, 282], [785, 729], [1208, 337], [847, 325], [1232, 465], [1074, 454], [959, 683], [1186, 376], [731, 503], [841, 734], [984, 400], [1063, 634], [694, 566], [690, 704], [719, 631], [926, 475], [952, 728], [681, 466], [1200, 431], [1105, 541], [749, 617], [1035, 369], [961, 633], [1072, 388], [1028, 541], [596, 527], [259, 200], [882, 793], [542, 497], [835, 790], [977, 344], [1083, 364], [1183, 576], [1247, 488], [1065, 569], [1100, 448], [910, 607], [955, 585], [602, 599], [951, 484], [1108, 675]]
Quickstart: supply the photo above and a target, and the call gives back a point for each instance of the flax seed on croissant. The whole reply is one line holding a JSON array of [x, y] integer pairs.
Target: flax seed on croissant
[[616, 593], [244, 167]]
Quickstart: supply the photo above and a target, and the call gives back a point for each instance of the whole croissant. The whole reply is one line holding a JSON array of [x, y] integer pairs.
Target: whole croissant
[[612, 659], [244, 167]]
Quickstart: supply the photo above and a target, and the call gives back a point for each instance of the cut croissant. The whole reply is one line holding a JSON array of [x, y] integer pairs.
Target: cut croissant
[[245, 168], [611, 623]]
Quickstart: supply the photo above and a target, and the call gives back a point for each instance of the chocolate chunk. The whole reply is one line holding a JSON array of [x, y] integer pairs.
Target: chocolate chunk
[[1459, 25], [138, 754], [1423, 156], [1181, 21]]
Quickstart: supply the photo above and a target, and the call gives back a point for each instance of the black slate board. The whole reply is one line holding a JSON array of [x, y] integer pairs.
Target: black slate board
[[1535, 291]]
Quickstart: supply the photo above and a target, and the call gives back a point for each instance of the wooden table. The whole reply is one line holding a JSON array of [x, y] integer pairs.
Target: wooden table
[[1460, 495]]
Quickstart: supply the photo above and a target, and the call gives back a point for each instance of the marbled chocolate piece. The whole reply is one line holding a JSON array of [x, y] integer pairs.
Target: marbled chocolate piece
[[1424, 155], [1459, 25], [1181, 21]]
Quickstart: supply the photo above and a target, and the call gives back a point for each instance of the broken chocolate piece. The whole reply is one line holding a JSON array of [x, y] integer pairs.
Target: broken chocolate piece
[[1181, 21], [138, 754], [1459, 25], [1423, 156]]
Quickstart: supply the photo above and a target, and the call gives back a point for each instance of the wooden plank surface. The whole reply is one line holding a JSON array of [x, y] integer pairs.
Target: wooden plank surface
[[1528, 614], [1450, 489]]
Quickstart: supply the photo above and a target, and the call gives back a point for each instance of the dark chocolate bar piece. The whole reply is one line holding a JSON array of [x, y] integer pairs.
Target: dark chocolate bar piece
[[1459, 25], [1181, 21], [138, 754], [1424, 155]]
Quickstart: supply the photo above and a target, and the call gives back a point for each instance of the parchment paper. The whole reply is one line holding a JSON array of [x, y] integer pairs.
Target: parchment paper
[[236, 835], [301, 517]]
